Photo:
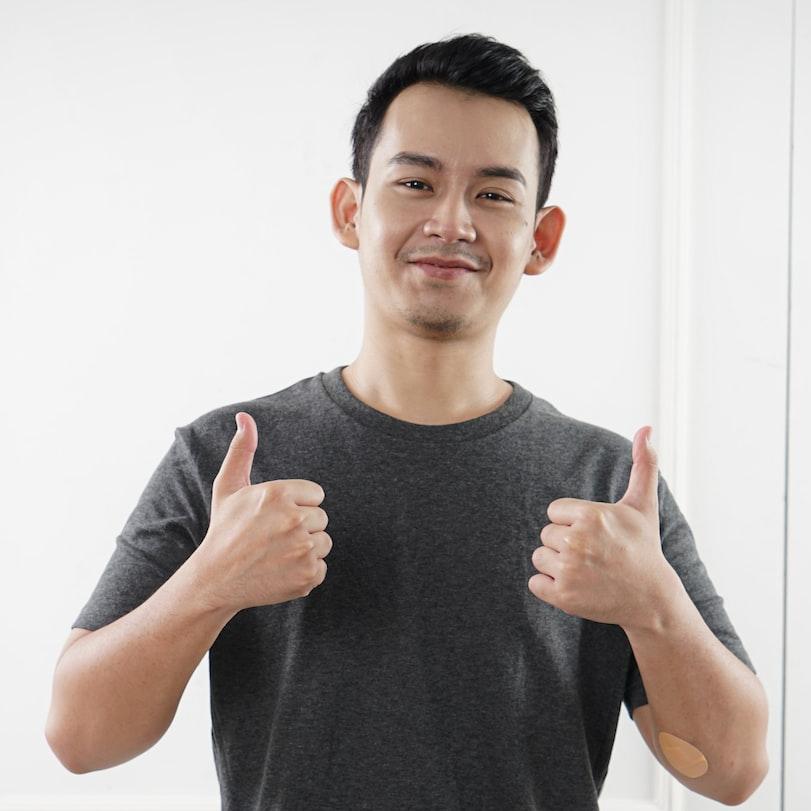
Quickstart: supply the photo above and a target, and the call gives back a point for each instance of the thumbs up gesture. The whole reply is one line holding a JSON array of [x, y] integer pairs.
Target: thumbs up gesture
[[265, 542], [603, 561]]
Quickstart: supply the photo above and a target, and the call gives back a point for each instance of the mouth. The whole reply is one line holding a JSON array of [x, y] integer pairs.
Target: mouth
[[441, 272]]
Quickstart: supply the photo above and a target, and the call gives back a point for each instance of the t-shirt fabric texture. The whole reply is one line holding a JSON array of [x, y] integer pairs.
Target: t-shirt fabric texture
[[422, 673]]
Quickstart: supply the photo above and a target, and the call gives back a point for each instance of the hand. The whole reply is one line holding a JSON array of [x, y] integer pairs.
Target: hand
[[603, 561], [265, 542]]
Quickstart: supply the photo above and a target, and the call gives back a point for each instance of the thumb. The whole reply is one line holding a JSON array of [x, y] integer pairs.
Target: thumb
[[235, 471], [644, 479]]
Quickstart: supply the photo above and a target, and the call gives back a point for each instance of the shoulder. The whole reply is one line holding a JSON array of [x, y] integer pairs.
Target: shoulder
[[266, 410], [588, 457], [280, 418]]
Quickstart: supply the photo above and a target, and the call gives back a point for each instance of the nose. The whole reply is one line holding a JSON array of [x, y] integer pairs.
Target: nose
[[450, 220]]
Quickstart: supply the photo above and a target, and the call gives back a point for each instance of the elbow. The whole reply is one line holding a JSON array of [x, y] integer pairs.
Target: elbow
[[63, 754], [759, 764], [755, 778]]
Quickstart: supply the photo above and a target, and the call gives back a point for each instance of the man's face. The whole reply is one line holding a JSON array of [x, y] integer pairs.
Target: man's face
[[410, 211]]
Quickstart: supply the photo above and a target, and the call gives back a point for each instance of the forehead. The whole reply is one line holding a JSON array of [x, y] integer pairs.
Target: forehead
[[464, 131]]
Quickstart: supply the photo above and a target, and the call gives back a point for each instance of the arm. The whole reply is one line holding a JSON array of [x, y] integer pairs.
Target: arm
[[702, 693], [116, 690]]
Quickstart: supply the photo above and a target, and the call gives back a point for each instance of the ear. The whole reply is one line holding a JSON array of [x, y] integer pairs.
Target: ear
[[345, 200], [548, 231]]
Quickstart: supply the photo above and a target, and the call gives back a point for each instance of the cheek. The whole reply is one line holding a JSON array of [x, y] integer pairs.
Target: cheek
[[515, 253], [389, 232]]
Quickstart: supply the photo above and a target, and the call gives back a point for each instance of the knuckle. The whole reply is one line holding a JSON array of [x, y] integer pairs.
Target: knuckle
[[321, 539], [306, 545], [309, 577], [269, 494], [294, 520]]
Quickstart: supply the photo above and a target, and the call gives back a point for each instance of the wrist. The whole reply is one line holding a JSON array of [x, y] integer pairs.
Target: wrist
[[668, 606], [201, 584]]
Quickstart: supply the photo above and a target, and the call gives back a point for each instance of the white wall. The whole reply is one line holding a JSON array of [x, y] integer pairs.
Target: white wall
[[797, 651], [166, 248]]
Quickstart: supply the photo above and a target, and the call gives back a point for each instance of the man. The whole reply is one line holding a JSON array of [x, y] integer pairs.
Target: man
[[501, 578]]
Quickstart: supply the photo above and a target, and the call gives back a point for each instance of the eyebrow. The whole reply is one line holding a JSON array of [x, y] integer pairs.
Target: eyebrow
[[420, 159]]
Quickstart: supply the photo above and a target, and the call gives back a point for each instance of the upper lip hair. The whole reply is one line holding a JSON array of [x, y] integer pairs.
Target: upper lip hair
[[446, 262]]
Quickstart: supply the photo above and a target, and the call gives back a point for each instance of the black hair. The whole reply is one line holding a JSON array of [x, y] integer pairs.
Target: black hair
[[474, 63]]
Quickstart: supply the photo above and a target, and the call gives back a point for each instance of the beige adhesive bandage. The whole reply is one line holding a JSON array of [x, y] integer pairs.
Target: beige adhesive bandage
[[684, 757]]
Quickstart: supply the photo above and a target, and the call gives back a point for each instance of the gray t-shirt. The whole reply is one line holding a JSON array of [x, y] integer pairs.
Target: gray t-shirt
[[422, 673]]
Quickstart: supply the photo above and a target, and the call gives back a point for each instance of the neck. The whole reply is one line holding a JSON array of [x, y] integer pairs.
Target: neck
[[432, 388]]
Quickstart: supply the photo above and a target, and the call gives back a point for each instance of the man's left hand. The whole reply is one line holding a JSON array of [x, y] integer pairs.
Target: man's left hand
[[603, 561]]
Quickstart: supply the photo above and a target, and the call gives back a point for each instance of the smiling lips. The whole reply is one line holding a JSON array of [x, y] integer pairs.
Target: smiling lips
[[442, 272], [441, 267], [446, 262]]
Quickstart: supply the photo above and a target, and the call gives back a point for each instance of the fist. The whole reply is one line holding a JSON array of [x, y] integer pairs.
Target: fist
[[265, 542]]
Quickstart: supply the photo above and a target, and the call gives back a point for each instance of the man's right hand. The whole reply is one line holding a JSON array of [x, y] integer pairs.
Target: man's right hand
[[266, 542]]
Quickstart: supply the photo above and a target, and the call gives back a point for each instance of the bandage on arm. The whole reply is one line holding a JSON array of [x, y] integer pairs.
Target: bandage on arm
[[683, 756]]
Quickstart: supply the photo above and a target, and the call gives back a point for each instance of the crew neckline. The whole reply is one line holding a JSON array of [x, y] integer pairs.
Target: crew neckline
[[512, 408]]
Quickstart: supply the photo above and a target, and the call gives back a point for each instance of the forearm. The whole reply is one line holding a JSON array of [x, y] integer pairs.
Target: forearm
[[702, 693], [116, 691]]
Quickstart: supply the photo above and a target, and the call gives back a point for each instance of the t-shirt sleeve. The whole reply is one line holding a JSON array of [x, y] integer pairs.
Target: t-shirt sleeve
[[167, 525], [679, 547]]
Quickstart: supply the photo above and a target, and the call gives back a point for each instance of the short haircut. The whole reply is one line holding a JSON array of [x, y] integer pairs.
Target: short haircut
[[474, 63]]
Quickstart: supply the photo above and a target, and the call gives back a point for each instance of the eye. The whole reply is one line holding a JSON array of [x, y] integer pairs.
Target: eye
[[495, 194], [406, 182], [501, 196]]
